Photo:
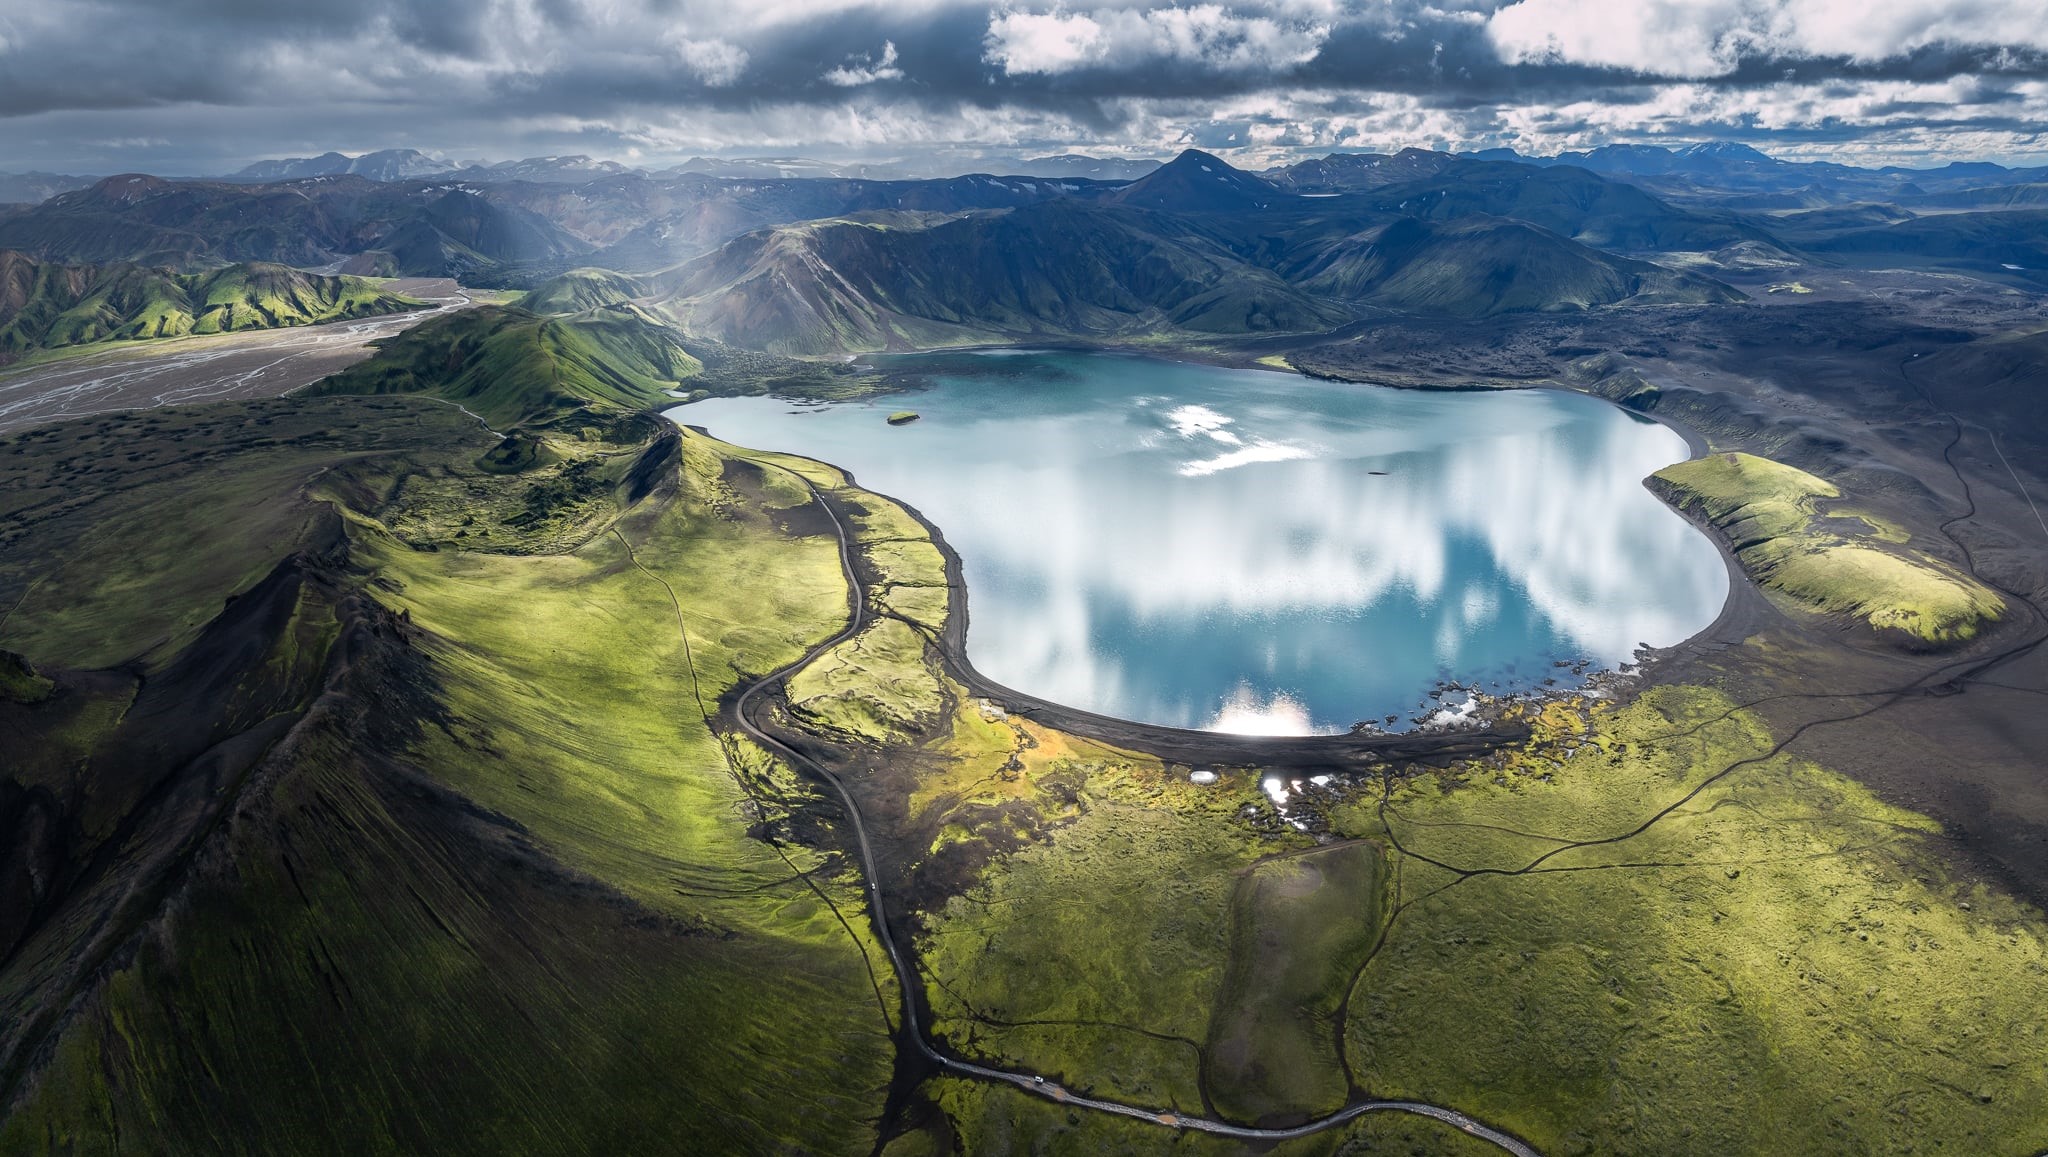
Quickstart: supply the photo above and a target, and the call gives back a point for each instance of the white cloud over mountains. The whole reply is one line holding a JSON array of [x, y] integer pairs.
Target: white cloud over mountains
[[1708, 38], [900, 78], [1207, 35], [717, 63], [867, 69]]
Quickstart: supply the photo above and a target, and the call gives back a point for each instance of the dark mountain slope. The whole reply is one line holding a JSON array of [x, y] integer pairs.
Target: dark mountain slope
[[461, 232], [1731, 173], [450, 226], [2015, 237], [1363, 172], [182, 224], [1477, 267], [1061, 268], [413, 229], [686, 217], [1089, 269], [385, 165], [1583, 206], [2029, 196], [1196, 182]]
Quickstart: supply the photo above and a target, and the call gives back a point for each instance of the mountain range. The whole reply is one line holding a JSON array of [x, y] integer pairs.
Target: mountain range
[[411, 164], [34, 188], [904, 280], [826, 264], [385, 165], [1194, 248], [1712, 170], [415, 228], [1719, 169]]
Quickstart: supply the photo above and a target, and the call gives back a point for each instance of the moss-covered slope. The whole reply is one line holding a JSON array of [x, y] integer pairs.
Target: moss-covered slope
[[510, 366], [1830, 562], [583, 289], [334, 836], [46, 306]]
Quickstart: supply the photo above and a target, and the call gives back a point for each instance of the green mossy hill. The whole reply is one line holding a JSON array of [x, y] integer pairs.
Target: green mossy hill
[[19, 682], [46, 306], [1834, 562], [583, 289], [420, 848], [511, 367]]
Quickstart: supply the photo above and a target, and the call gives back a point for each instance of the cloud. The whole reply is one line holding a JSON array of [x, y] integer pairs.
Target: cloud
[[228, 80], [1047, 42], [1207, 35], [1668, 37], [715, 63], [1258, 451], [868, 71], [1696, 39]]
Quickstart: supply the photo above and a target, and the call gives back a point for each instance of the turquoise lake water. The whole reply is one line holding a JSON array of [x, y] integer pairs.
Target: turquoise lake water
[[1238, 550]]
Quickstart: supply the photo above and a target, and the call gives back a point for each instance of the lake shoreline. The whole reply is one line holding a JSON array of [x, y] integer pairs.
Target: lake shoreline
[[1589, 662], [1745, 609]]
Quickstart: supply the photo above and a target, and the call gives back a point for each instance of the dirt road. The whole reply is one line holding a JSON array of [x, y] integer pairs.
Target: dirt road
[[912, 1030]]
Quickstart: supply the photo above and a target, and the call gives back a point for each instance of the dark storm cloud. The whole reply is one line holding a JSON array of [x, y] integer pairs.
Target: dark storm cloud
[[503, 76]]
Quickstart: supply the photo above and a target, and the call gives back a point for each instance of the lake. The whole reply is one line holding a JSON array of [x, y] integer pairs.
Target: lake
[[1238, 550]]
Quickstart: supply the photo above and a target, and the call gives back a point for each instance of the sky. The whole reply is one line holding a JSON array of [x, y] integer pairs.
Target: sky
[[205, 86]]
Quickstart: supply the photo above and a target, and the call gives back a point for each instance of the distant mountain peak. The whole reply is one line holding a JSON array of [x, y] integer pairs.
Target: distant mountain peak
[[1196, 181], [574, 168], [383, 165], [127, 188], [1096, 168], [1725, 151]]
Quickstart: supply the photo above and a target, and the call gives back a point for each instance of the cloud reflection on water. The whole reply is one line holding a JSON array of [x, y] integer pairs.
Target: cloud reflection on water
[[1285, 585]]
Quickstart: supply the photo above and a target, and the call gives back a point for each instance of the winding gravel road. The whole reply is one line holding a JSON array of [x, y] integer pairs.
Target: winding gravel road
[[261, 363], [914, 1031]]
